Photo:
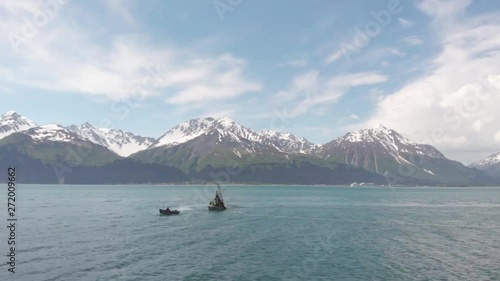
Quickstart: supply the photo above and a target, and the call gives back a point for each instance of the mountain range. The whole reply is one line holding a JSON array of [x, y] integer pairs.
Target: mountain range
[[208, 149]]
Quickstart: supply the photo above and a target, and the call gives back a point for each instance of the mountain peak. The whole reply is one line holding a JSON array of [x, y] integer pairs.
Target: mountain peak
[[383, 139], [203, 126], [287, 142], [10, 113], [210, 120], [375, 133], [12, 122], [225, 121], [379, 127]]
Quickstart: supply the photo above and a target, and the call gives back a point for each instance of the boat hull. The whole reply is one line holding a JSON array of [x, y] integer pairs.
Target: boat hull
[[168, 213], [216, 208]]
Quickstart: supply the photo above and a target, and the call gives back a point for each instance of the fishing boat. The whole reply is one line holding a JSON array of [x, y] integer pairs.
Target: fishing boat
[[167, 211], [218, 203]]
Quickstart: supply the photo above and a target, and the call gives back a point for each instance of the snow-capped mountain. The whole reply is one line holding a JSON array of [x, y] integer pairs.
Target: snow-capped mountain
[[224, 127], [122, 143], [56, 146], [208, 141], [52, 133], [287, 142], [227, 128], [385, 151], [12, 122], [201, 146], [491, 165], [485, 163], [381, 138]]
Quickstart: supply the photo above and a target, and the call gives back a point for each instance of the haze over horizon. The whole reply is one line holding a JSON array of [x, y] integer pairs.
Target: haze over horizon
[[428, 69]]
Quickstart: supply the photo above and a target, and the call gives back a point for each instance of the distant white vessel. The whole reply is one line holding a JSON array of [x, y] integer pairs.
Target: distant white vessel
[[354, 184]]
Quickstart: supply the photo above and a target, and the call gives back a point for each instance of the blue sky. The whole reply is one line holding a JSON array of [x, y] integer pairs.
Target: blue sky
[[314, 68]]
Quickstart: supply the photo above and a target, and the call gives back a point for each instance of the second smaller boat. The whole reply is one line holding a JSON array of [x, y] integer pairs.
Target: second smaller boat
[[167, 211]]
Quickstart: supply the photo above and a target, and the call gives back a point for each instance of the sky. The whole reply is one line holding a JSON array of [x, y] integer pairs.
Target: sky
[[429, 69]]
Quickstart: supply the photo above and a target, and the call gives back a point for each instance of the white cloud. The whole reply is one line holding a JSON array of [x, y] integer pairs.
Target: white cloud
[[405, 23], [395, 52], [356, 79], [444, 9], [461, 92], [369, 55], [354, 116], [17, 7], [412, 40], [497, 137], [64, 57], [334, 56], [302, 84], [310, 89]]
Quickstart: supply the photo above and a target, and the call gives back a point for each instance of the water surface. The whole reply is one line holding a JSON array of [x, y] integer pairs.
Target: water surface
[[267, 233]]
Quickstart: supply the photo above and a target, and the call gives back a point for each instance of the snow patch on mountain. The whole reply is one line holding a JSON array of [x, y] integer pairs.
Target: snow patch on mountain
[[287, 142], [430, 172], [51, 132], [122, 143]]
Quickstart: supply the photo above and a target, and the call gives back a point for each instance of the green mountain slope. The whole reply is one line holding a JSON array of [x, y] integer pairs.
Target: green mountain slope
[[65, 153]]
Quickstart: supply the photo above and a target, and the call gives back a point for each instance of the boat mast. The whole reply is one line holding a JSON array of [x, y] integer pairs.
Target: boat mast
[[219, 195]]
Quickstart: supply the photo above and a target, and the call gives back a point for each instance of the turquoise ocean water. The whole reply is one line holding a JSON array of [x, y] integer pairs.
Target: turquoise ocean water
[[268, 233]]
